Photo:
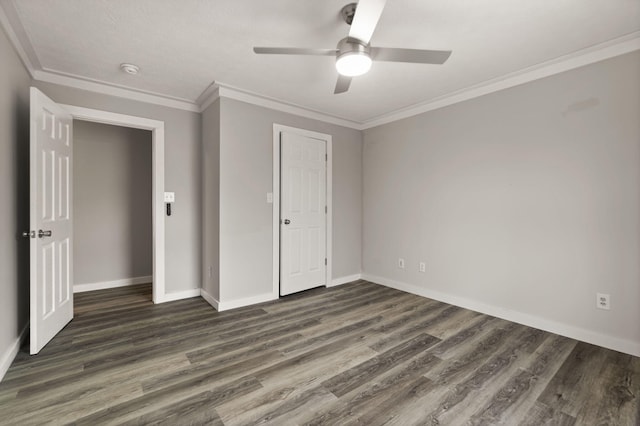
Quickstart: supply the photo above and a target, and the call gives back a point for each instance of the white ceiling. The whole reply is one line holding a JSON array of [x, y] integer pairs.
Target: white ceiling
[[183, 46]]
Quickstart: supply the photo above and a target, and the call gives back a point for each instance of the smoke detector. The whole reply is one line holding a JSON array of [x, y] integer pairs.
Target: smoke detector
[[130, 69]]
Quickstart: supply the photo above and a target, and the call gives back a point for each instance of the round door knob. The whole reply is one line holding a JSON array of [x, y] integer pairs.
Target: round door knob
[[287, 221]]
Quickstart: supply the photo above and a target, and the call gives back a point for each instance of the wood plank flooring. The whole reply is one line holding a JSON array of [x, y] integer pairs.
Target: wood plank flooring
[[354, 354]]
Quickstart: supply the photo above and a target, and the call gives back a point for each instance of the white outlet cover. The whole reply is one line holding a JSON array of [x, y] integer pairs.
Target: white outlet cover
[[603, 301], [270, 197], [423, 267], [169, 197]]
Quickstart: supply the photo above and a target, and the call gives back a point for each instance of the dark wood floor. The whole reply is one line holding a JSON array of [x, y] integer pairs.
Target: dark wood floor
[[354, 354]]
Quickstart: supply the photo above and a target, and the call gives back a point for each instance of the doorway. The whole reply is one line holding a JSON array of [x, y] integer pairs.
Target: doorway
[[308, 264], [157, 196], [112, 231]]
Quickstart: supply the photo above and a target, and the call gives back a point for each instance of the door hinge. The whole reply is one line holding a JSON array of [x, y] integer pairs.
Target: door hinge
[[326, 210], [326, 157], [325, 261]]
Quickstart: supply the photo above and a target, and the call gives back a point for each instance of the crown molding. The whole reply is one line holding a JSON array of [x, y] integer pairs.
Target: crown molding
[[96, 86], [221, 90], [10, 22], [290, 108], [287, 107], [208, 96], [17, 36], [12, 26], [590, 55]]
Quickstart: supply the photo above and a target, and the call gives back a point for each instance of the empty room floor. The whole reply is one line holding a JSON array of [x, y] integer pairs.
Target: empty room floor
[[355, 354]]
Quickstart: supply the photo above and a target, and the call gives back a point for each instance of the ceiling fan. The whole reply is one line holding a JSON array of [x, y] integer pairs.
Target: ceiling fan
[[353, 54]]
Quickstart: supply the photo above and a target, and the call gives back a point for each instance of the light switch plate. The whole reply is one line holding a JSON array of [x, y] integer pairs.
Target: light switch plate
[[169, 197], [269, 197]]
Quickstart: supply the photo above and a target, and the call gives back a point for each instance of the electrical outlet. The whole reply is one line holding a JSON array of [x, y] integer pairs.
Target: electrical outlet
[[401, 263], [603, 301], [423, 267]]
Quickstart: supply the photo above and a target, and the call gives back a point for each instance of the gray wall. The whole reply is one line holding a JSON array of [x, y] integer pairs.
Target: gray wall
[[14, 192], [211, 199], [527, 199], [246, 163], [182, 176], [112, 223]]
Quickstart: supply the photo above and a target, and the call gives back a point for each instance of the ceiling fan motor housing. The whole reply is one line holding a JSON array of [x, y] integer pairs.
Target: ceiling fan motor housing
[[350, 45]]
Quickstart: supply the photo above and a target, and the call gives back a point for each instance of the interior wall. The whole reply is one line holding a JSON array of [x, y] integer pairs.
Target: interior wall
[[246, 163], [525, 201], [112, 223], [183, 146], [14, 210], [211, 199]]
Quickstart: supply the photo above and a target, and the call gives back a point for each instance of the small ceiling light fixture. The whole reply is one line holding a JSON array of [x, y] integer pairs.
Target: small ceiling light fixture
[[130, 69], [353, 57]]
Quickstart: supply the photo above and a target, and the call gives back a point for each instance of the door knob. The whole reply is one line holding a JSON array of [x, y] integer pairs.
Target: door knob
[[287, 221], [42, 233]]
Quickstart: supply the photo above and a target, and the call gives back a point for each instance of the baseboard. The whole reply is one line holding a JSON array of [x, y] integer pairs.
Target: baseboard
[[573, 332], [344, 280], [102, 285], [267, 297], [210, 299], [179, 295], [12, 351], [239, 303]]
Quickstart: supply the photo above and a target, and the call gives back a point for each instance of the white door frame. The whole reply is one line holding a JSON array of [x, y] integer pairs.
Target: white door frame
[[277, 128], [157, 154]]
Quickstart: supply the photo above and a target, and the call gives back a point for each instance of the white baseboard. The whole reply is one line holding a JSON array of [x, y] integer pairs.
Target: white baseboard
[[11, 352], [179, 295], [573, 332], [210, 299], [344, 280], [267, 297], [239, 303], [102, 285]]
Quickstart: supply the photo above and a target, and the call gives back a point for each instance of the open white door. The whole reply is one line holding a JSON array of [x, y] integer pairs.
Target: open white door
[[303, 227], [51, 226]]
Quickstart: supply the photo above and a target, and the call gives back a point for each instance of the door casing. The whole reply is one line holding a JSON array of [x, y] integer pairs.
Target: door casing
[[157, 130], [277, 129]]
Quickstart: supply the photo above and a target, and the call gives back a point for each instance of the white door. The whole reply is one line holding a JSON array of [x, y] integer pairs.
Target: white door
[[303, 218], [51, 227]]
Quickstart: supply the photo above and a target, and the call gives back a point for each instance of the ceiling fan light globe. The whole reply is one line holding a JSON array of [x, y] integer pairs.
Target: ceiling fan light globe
[[353, 64]]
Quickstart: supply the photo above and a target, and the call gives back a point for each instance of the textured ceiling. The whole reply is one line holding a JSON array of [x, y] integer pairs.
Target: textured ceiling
[[182, 47]]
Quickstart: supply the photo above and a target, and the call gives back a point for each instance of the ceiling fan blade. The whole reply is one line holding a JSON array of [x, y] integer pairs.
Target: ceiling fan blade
[[342, 85], [417, 56], [366, 18], [294, 51]]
